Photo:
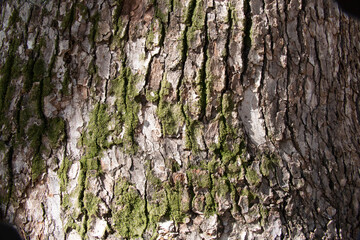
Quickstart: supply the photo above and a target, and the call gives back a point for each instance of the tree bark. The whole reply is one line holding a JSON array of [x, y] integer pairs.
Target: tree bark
[[183, 119]]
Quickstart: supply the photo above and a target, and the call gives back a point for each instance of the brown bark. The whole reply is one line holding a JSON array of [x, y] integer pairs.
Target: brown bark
[[195, 119]]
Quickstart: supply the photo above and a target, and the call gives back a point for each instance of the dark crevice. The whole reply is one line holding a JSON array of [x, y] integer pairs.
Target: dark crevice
[[146, 211], [262, 78], [184, 45], [169, 14], [246, 39], [227, 50], [11, 178], [203, 75], [287, 119], [148, 71], [81, 197]]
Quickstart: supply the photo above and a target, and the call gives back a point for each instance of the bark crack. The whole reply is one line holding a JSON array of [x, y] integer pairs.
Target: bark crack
[[203, 74], [10, 181], [246, 39], [184, 45]]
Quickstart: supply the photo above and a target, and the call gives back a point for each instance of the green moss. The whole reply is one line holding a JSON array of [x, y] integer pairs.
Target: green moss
[[170, 117], [56, 131], [7, 71], [69, 18], [150, 38], [129, 211], [65, 201], [65, 84], [84, 11], [163, 17], [227, 104], [34, 135], [252, 177], [189, 12], [251, 196], [152, 96], [191, 130], [62, 173], [97, 132], [176, 209], [157, 205], [47, 85], [37, 167], [34, 71], [117, 14], [155, 35], [210, 206], [197, 20], [157, 208], [94, 29], [9, 96], [14, 18], [201, 180], [268, 162], [127, 106], [91, 203], [264, 214], [221, 187], [71, 224]]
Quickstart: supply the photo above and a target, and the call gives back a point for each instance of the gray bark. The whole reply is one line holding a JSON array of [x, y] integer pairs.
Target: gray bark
[[183, 119]]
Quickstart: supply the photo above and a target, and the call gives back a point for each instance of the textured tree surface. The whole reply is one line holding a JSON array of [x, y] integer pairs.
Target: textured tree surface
[[179, 119]]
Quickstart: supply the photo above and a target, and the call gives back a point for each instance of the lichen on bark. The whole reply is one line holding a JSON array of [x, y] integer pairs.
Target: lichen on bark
[[179, 119]]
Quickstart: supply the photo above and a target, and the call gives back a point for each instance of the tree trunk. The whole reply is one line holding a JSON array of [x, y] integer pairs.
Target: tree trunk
[[183, 119]]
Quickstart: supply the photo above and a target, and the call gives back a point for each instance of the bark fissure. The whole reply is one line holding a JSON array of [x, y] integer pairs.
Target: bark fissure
[[184, 45], [11, 178], [246, 39], [202, 74]]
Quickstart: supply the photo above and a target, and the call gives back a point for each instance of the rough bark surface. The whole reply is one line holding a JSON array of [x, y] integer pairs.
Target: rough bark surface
[[179, 119]]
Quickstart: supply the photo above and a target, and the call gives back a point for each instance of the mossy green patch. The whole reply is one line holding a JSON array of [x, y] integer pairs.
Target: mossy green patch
[[227, 104], [189, 12], [34, 71], [65, 84], [152, 96], [37, 167], [176, 209], [129, 211], [170, 116], [221, 187], [62, 173], [210, 205], [191, 131], [47, 84], [14, 18], [200, 179], [159, 13], [117, 14], [268, 162], [197, 20], [252, 177], [7, 71], [91, 203], [97, 132], [157, 208], [94, 29], [69, 18], [56, 131], [127, 106], [264, 212], [34, 135]]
